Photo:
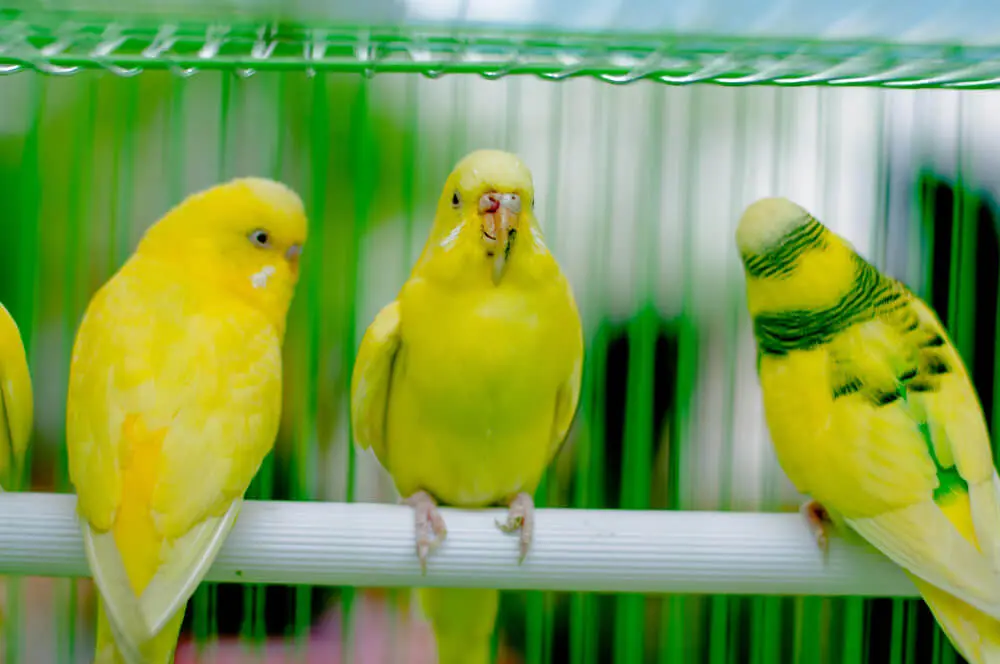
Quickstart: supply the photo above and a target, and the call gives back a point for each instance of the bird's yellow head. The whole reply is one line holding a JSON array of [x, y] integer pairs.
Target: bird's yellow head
[[486, 210], [791, 260], [244, 236]]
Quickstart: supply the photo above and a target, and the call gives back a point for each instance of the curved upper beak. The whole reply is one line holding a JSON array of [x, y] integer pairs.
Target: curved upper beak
[[500, 216], [292, 255]]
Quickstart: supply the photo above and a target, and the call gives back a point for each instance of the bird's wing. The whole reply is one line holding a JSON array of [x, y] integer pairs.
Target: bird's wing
[[956, 425], [568, 393], [190, 559], [888, 377], [16, 402], [567, 400], [136, 620], [372, 379], [169, 418]]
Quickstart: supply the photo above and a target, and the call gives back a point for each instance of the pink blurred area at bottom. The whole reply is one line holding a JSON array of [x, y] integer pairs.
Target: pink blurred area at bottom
[[386, 629], [379, 638], [383, 634]]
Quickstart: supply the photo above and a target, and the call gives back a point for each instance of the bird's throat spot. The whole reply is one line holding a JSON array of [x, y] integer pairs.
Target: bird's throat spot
[[259, 279]]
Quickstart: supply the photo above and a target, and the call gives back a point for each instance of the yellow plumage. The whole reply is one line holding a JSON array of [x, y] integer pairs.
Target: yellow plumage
[[466, 385], [873, 415], [16, 403], [174, 401], [463, 620]]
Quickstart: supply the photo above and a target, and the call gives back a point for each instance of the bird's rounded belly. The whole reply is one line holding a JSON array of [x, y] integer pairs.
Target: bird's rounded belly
[[471, 433]]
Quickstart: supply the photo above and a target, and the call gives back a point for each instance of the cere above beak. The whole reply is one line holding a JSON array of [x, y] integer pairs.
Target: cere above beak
[[500, 215]]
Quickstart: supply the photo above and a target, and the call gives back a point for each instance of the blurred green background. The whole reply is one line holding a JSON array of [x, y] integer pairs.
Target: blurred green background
[[639, 190]]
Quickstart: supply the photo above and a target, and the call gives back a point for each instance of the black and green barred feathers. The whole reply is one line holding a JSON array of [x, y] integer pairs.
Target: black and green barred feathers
[[773, 234]]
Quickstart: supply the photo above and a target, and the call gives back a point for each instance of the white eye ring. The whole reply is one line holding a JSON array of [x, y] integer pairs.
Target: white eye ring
[[456, 200], [261, 238]]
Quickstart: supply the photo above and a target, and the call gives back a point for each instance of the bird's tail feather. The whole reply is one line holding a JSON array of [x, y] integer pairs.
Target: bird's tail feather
[[159, 650], [973, 633], [463, 621]]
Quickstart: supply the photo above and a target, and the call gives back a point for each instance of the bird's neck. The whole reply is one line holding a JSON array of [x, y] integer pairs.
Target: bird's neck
[[820, 279], [470, 268], [203, 275]]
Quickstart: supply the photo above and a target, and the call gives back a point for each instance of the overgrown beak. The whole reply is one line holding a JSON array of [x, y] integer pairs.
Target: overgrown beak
[[500, 216]]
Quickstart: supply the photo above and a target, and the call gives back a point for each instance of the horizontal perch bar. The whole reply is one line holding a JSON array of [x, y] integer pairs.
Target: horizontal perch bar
[[364, 544]]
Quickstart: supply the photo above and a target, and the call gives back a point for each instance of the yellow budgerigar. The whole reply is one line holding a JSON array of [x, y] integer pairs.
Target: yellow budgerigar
[[174, 401], [873, 415], [16, 403], [465, 386]]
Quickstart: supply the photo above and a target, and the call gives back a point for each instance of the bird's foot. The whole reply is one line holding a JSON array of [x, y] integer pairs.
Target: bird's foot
[[428, 525], [521, 516], [819, 522]]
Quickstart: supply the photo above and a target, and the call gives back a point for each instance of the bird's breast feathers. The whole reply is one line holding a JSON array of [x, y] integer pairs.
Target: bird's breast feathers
[[490, 351], [205, 374]]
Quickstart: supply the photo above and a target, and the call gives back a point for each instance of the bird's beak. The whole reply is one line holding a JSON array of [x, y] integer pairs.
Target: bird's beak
[[500, 216], [292, 256]]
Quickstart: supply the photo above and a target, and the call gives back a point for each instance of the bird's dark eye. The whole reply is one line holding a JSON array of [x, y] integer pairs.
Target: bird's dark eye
[[455, 200], [261, 238]]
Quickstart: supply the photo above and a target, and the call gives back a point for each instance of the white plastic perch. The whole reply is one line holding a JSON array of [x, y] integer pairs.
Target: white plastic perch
[[592, 550]]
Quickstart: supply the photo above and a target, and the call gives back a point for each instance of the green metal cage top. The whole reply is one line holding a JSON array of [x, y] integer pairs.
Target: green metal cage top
[[897, 44]]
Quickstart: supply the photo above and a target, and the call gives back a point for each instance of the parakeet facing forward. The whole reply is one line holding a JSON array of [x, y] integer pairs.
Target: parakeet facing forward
[[465, 386], [873, 415], [174, 401], [16, 403]]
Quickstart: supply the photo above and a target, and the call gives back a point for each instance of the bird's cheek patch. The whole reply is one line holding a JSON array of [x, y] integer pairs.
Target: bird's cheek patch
[[449, 241], [259, 279]]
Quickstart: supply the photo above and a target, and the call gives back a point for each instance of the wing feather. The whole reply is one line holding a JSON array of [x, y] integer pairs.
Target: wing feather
[[905, 365], [173, 406], [567, 400], [130, 629], [922, 540], [372, 378], [958, 427], [16, 402], [185, 567], [568, 394], [985, 504]]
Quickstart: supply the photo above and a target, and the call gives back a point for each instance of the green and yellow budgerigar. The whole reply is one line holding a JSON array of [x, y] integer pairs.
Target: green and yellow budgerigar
[[175, 400], [16, 403], [873, 415], [465, 386]]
